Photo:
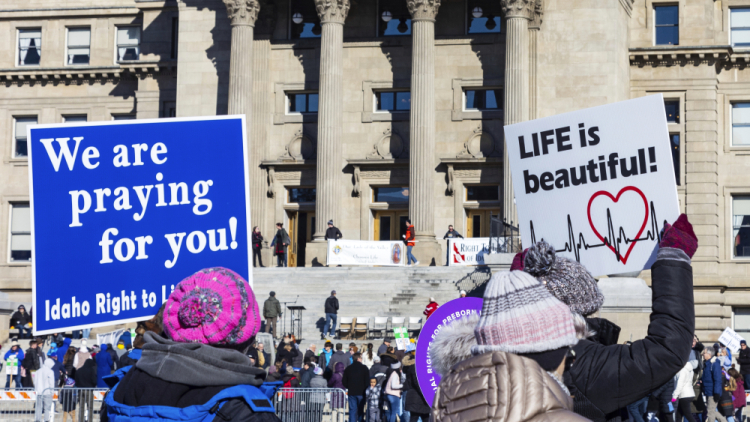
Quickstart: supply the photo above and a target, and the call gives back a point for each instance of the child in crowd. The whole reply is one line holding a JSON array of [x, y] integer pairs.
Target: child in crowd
[[373, 401]]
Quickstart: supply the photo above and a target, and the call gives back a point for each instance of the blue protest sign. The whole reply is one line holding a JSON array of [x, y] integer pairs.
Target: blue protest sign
[[122, 211]]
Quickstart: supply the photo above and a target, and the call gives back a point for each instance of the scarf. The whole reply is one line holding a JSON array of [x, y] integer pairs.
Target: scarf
[[261, 359]]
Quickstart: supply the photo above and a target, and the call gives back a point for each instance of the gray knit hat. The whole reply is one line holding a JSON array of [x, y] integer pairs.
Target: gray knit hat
[[568, 280], [520, 316]]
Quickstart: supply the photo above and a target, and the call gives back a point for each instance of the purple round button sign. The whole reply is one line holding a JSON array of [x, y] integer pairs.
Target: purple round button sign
[[445, 315]]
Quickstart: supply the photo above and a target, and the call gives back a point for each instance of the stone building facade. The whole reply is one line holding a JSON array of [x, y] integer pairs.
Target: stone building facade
[[368, 112]]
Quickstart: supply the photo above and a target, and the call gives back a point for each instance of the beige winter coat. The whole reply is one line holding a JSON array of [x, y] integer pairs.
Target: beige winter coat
[[501, 387]]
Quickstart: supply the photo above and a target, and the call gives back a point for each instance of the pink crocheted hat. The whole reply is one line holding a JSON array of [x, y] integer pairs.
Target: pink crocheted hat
[[212, 306]]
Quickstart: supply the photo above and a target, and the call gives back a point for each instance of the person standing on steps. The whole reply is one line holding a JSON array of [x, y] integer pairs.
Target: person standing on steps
[[257, 240], [332, 232], [430, 308], [452, 234], [271, 312], [281, 241], [331, 311], [409, 239]]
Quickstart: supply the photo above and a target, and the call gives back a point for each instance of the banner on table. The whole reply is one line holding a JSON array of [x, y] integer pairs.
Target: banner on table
[[444, 316], [597, 184], [366, 252], [469, 251], [122, 211], [731, 339]]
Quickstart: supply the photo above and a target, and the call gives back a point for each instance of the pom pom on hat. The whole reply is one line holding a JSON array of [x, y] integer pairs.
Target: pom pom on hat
[[212, 306], [318, 370], [567, 280]]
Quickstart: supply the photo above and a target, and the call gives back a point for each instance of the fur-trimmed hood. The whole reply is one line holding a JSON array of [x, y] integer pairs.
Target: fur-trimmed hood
[[453, 344], [408, 360]]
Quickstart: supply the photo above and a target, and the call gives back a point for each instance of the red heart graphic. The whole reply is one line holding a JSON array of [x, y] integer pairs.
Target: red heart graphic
[[609, 244]]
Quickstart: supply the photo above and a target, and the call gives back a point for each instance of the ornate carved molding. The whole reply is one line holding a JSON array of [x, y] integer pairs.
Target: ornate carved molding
[[536, 22], [357, 181], [423, 9], [300, 148], [332, 10], [242, 12], [389, 146], [480, 144], [271, 181], [450, 179], [518, 8]]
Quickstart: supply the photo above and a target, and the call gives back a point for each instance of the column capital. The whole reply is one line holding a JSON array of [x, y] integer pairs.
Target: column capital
[[423, 9], [536, 21], [242, 12], [334, 11], [518, 8]]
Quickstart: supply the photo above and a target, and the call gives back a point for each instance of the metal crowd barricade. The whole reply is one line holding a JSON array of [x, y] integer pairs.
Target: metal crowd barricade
[[311, 405], [69, 404]]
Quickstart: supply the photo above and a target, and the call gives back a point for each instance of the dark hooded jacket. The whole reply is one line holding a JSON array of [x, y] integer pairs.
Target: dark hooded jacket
[[113, 355], [337, 378], [607, 378], [86, 375], [19, 319], [743, 358], [415, 402], [178, 377]]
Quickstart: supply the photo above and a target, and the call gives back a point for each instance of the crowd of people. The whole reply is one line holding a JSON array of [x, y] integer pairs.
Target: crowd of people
[[535, 353]]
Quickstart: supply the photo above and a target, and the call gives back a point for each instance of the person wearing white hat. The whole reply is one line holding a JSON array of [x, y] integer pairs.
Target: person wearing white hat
[[13, 358], [463, 293]]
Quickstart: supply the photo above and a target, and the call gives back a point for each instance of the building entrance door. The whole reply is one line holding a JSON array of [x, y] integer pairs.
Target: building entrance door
[[301, 226], [390, 225], [478, 222]]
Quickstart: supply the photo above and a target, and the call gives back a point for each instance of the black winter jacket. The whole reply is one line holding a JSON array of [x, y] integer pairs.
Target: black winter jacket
[[282, 355], [415, 402], [31, 360], [257, 240], [743, 358], [356, 379], [86, 375], [611, 377], [333, 233], [332, 305], [19, 319]]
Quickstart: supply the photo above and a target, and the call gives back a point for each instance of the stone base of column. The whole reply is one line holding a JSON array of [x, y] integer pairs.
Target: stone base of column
[[269, 260], [429, 253], [316, 253]]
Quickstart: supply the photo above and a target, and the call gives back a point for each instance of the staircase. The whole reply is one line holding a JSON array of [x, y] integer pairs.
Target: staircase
[[362, 291]]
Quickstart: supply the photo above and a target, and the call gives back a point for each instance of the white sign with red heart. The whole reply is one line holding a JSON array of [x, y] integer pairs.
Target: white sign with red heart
[[597, 184]]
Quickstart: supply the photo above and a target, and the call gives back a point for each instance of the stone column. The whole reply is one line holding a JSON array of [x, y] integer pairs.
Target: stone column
[[242, 14], [261, 118], [517, 14], [534, 28], [422, 130], [332, 15]]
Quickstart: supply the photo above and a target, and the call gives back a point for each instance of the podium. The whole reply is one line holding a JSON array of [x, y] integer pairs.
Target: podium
[[295, 314]]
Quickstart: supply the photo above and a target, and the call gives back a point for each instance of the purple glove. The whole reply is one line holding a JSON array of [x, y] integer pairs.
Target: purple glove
[[517, 264], [680, 236]]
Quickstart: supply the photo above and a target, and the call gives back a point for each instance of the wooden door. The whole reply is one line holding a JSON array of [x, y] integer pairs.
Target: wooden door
[[478, 223], [293, 227], [390, 225]]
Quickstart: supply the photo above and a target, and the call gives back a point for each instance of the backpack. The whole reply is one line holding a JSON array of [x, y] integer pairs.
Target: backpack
[[288, 386]]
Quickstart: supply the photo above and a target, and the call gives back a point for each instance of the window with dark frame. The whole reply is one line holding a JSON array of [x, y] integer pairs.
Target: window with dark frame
[[483, 193], [391, 195], [79, 46], [304, 102], [128, 43], [77, 118], [123, 117], [741, 225], [667, 25], [742, 321], [29, 46], [483, 99], [20, 232], [393, 101], [672, 108], [301, 195], [740, 124], [740, 22], [21, 148]]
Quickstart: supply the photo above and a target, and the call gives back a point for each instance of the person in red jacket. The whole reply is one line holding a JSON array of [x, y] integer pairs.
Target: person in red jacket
[[430, 308], [409, 239]]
